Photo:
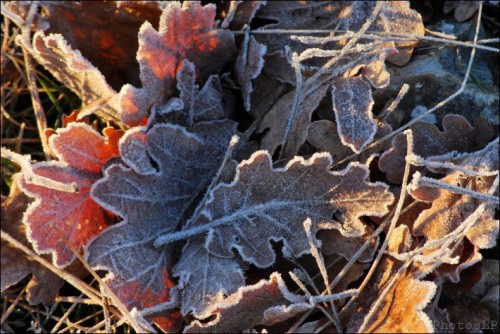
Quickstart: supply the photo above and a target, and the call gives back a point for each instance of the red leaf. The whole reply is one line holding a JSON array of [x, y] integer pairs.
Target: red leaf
[[184, 33], [82, 153], [134, 295]]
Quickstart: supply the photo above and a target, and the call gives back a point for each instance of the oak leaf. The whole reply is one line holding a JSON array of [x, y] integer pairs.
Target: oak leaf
[[163, 170], [264, 303], [248, 66], [403, 307], [280, 199], [184, 33], [449, 209], [82, 153], [457, 135], [352, 103]]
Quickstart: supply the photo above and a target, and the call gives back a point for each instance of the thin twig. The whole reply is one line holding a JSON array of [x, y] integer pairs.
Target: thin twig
[[395, 218], [76, 282]]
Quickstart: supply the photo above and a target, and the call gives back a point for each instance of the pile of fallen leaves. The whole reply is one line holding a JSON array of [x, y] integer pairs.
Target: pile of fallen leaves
[[232, 171]]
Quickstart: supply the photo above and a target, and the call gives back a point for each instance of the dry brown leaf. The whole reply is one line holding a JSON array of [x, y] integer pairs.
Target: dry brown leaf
[[448, 210], [248, 66], [402, 309], [44, 285], [274, 122], [265, 303], [457, 135], [394, 17], [102, 31]]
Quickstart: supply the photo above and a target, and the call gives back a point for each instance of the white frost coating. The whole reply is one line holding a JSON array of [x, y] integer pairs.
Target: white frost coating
[[32, 207], [352, 104]]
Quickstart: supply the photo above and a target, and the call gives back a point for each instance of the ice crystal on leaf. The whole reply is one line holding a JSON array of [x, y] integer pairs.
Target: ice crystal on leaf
[[261, 195], [185, 33], [252, 305], [82, 152]]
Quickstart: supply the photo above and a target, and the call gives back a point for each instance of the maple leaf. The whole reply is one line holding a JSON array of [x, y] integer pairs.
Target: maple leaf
[[264, 303], [82, 152], [352, 103], [163, 170], [281, 199], [457, 135], [184, 33]]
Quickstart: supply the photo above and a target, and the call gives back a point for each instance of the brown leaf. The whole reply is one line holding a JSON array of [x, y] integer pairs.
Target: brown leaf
[[402, 309], [395, 16], [275, 121], [273, 198], [248, 66], [333, 242], [352, 103], [44, 285], [103, 32], [457, 135], [265, 303], [74, 71]]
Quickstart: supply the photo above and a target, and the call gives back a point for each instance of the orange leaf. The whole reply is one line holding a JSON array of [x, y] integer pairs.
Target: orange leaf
[[184, 33], [82, 153]]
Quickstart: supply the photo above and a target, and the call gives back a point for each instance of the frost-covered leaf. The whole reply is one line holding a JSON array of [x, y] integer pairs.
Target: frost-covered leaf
[[457, 135], [402, 309], [264, 303], [74, 71], [394, 17], [44, 285], [151, 193], [204, 278], [204, 104], [449, 209], [352, 103], [104, 32], [248, 66], [82, 152], [279, 199], [240, 13], [184, 33], [274, 122], [333, 242], [133, 295], [323, 136]]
